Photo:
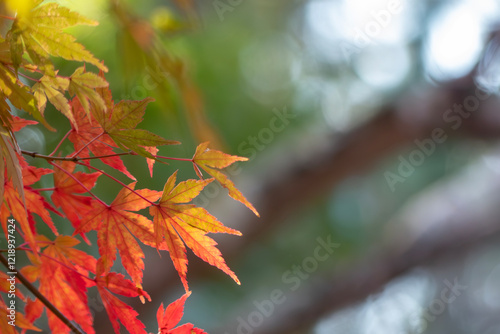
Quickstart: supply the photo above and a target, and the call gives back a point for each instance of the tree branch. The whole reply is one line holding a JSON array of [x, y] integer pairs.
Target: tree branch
[[44, 300]]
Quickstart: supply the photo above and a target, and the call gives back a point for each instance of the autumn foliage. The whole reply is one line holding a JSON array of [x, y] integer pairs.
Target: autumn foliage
[[60, 274]]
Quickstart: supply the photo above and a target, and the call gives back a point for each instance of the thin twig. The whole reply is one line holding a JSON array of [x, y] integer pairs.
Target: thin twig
[[80, 183], [58, 145], [117, 181], [73, 158], [87, 145]]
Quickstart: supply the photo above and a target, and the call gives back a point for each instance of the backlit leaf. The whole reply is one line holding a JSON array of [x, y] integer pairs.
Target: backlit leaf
[[83, 84], [168, 318], [117, 227], [41, 31], [53, 88], [177, 233], [118, 310], [210, 161]]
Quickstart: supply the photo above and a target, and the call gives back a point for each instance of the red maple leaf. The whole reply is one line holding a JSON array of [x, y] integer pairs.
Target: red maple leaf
[[18, 123], [118, 310], [170, 317], [61, 271], [66, 189], [33, 202]]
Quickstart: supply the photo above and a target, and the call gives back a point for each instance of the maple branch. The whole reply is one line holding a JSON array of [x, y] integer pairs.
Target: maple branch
[[170, 158], [58, 145], [48, 157], [26, 76], [90, 142], [44, 189], [73, 158], [42, 299], [79, 182], [107, 156]]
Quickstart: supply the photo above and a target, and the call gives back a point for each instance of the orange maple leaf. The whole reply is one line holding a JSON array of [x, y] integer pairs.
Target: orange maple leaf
[[170, 226], [212, 160], [116, 227], [35, 203]]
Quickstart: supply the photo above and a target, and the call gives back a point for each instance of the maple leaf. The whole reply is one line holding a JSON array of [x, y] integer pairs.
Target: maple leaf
[[84, 137], [83, 84], [151, 162], [211, 161], [65, 190], [120, 122], [18, 123], [10, 169], [116, 227], [170, 317], [41, 33], [19, 94], [53, 88], [60, 273], [33, 309], [170, 227], [14, 204], [117, 309]]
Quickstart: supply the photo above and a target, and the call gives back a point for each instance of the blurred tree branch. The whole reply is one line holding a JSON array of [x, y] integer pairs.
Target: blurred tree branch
[[412, 116], [356, 152], [409, 243]]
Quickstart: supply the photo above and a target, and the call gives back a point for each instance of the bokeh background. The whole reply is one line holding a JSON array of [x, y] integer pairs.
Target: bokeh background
[[371, 128]]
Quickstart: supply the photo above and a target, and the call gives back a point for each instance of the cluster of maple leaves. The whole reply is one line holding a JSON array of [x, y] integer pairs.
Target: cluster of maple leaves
[[101, 130]]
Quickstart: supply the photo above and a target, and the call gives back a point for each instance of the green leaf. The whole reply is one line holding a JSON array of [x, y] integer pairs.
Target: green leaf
[[42, 35], [135, 139], [19, 95], [83, 84], [57, 17], [16, 48], [120, 126], [127, 114], [8, 148], [53, 88]]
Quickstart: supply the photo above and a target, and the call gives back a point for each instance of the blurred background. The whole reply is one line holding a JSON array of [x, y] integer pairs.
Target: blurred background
[[371, 129]]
